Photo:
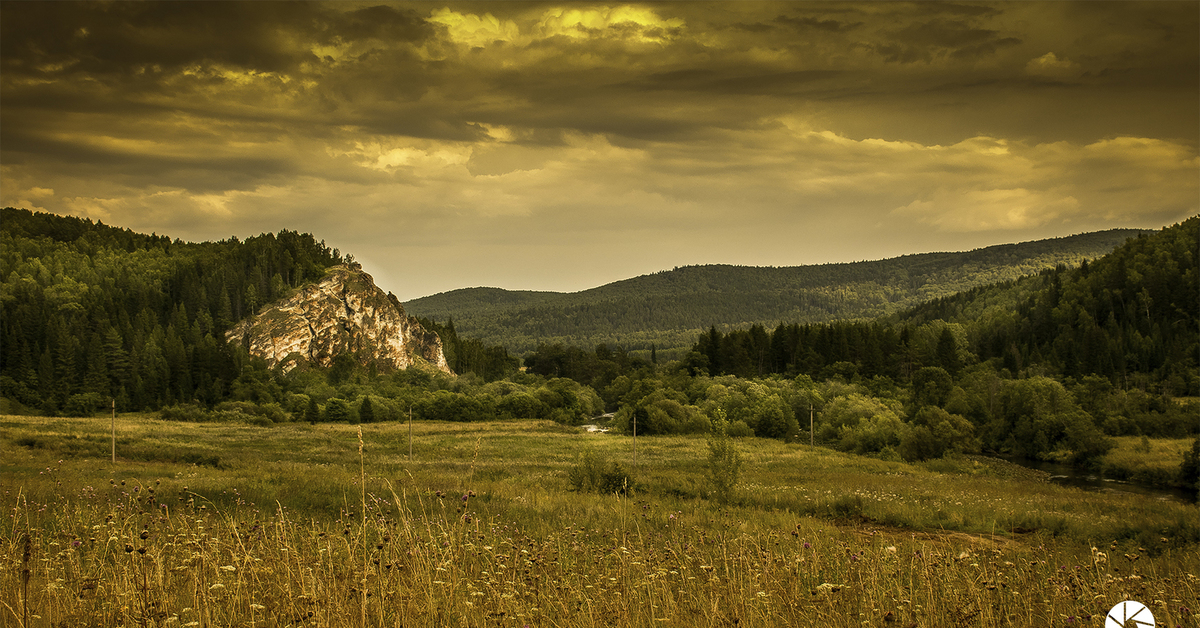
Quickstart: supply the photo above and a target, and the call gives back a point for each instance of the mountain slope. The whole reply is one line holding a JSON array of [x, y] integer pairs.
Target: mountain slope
[[91, 313], [669, 308]]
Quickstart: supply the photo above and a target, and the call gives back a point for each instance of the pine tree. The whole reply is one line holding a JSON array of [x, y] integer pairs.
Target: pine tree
[[366, 412], [312, 413]]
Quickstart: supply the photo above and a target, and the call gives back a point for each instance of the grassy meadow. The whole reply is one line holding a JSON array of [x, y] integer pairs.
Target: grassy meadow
[[300, 525]]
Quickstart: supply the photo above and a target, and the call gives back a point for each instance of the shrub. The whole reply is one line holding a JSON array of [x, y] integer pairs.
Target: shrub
[[739, 429], [366, 413], [1189, 468], [933, 432], [84, 404], [871, 435], [270, 411], [337, 409], [190, 413], [593, 474], [521, 405], [724, 461], [444, 405]]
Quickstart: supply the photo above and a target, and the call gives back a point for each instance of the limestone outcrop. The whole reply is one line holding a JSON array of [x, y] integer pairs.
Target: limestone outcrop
[[344, 313]]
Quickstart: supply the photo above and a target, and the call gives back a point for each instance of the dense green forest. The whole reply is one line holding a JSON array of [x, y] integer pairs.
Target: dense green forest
[[1051, 365], [90, 313], [667, 310], [1048, 366]]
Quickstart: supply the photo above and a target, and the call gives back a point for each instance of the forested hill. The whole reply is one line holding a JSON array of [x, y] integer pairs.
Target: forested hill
[[670, 308], [90, 312]]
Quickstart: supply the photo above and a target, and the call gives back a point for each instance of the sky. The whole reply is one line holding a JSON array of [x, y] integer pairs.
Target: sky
[[562, 146]]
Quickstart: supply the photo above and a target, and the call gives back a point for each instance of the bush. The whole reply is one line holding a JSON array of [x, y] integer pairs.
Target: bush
[[871, 435], [724, 461], [1189, 468], [85, 404], [444, 405], [593, 474], [933, 432], [739, 429], [272, 412], [366, 414], [521, 405], [190, 413], [337, 409]]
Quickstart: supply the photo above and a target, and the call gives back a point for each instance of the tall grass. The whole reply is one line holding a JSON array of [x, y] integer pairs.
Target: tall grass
[[302, 528]]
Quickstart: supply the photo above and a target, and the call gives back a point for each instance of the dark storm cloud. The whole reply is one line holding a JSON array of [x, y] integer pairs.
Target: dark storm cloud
[[739, 81], [804, 23], [926, 41], [129, 37], [481, 127]]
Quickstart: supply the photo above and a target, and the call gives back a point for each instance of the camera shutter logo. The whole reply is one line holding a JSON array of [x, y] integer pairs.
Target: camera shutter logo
[[1129, 614]]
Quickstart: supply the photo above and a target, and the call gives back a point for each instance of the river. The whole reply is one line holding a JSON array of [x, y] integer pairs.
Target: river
[[1070, 476]]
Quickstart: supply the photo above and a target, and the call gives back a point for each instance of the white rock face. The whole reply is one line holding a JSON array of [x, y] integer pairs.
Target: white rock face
[[343, 313]]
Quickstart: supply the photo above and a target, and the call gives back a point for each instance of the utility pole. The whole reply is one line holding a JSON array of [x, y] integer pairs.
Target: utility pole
[[812, 438], [410, 433], [114, 430]]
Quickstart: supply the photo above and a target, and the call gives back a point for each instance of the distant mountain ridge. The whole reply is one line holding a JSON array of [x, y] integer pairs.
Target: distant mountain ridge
[[667, 309]]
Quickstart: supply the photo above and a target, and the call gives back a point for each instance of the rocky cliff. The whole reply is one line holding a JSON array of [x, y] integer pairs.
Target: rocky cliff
[[345, 312]]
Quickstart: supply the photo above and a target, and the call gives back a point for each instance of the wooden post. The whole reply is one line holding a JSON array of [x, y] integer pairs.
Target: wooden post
[[114, 430], [410, 433], [635, 442], [812, 438]]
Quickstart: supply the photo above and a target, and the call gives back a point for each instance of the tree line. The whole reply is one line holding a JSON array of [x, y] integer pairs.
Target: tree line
[[1050, 365], [90, 312], [669, 308]]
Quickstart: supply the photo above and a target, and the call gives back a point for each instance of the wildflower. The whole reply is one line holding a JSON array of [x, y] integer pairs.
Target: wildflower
[[228, 568], [216, 588]]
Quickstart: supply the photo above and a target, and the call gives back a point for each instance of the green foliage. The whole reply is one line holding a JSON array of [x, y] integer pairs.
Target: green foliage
[[662, 313], [1189, 468], [262, 415], [1129, 317], [84, 404], [444, 405], [87, 309], [933, 432], [337, 410], [724, 461], [592, 473], [931, 386], [470, 355], [366, 413], [312, 413]]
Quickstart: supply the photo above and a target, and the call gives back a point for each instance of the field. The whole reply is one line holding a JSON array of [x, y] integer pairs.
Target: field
[[299, 525]]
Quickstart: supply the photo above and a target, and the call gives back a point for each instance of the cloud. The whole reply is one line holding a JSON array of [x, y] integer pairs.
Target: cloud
[[1051, 66], [938, 39], [990, 210], [1013, 186], [534, 139]]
